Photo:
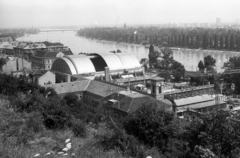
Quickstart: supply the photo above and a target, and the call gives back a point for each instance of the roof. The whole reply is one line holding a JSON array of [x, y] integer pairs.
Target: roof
[[69, 87], [201, 105], [38, 72], [128, 60], [102, 89], [31, 45], [51, 54], [92, 62], [82, 64], [193, 100], [131, 101], [52, 44]]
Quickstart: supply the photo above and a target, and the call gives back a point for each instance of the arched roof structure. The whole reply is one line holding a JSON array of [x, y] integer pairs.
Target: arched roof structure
[[128, 60], [80, 64], [112, 61]]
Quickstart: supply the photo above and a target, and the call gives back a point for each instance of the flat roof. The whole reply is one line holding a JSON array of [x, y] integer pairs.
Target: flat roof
[[194, 100]]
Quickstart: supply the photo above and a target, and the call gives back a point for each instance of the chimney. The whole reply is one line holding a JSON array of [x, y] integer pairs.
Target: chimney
[[107, 78], [128, 89], [68, 78]]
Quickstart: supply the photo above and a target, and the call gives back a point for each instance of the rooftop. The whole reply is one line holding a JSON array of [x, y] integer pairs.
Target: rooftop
[[130, 100], [51, 54]]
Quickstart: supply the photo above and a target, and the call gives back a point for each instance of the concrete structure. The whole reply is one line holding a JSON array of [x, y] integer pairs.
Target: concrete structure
[[15, 64], [46, 78], [45, 58], [95, 63]]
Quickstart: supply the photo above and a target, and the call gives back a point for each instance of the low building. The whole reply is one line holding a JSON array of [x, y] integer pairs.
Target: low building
[[46, 78], [124, 102], [94, 93], [202, 103]]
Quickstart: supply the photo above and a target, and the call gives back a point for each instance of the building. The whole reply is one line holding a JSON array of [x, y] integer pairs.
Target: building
[[29, 48], [95, 63], [124, 102], [15, 64], [201, 103], [42, 77], [45, 58], [46, 78], [94, 93], [218, 22]]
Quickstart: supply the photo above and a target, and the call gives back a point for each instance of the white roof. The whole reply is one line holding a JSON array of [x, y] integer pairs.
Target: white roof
[[81, 64], [127, 76], [193, 100], [236, 108]]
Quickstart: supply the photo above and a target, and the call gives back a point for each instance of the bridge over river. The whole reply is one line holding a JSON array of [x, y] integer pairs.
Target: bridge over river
[[58, 30]]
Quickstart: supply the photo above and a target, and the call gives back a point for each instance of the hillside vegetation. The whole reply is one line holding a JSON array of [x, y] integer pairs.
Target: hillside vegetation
[[36, 122]]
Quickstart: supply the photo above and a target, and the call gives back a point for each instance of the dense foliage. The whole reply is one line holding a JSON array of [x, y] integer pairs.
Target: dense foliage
[[30, 116], [164, 61], [205, 38]]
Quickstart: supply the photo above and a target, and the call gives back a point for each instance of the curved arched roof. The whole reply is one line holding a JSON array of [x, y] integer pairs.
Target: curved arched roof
[[81, 63], [64, 65], [112, 61], [128, 60]]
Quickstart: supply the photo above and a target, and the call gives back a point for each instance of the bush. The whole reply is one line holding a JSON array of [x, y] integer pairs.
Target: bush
[[71, 99], [78, 128], [127, 144]]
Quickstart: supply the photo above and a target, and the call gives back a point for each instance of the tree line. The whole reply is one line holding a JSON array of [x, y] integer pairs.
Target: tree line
[[195, 38]]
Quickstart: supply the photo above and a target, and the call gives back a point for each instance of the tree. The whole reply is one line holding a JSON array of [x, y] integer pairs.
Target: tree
[[209, 61], [178, 71], [201, 66], [233, 63], [215, 132], [2, 62], [153, 56], [154, 126], [144, 62], [166, 60], [71, 99]]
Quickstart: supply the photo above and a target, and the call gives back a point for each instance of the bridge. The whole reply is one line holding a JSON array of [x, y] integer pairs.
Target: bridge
[[58, 30]]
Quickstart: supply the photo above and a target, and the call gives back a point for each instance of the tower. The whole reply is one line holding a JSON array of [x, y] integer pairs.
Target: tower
[[157, 84]]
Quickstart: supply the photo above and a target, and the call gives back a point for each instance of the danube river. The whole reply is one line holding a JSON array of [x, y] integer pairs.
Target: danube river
[[188, 57]]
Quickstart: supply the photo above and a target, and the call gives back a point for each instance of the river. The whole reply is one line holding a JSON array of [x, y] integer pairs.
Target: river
[[188, 57]]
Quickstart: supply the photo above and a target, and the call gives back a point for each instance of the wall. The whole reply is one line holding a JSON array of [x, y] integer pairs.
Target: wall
[[10, 66], [24, 63], [46, 78]]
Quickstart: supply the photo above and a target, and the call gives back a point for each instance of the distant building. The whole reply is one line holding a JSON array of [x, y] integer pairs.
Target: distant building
[[218, 22], [45, 58], [29, 48]]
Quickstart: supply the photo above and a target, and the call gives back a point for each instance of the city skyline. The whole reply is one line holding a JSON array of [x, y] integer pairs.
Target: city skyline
[[28, 13]]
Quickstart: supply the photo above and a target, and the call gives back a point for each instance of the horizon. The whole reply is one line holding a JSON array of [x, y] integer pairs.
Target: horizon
[[60, 13]]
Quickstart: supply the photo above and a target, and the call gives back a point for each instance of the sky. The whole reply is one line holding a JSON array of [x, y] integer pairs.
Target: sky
[[46, 13]]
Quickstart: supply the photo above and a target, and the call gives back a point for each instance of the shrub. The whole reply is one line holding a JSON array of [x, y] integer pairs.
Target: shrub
[[127, 144], [78, 128], [71, 99]]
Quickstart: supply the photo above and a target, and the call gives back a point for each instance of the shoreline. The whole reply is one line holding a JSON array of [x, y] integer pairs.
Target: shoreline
[[175, 49]]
